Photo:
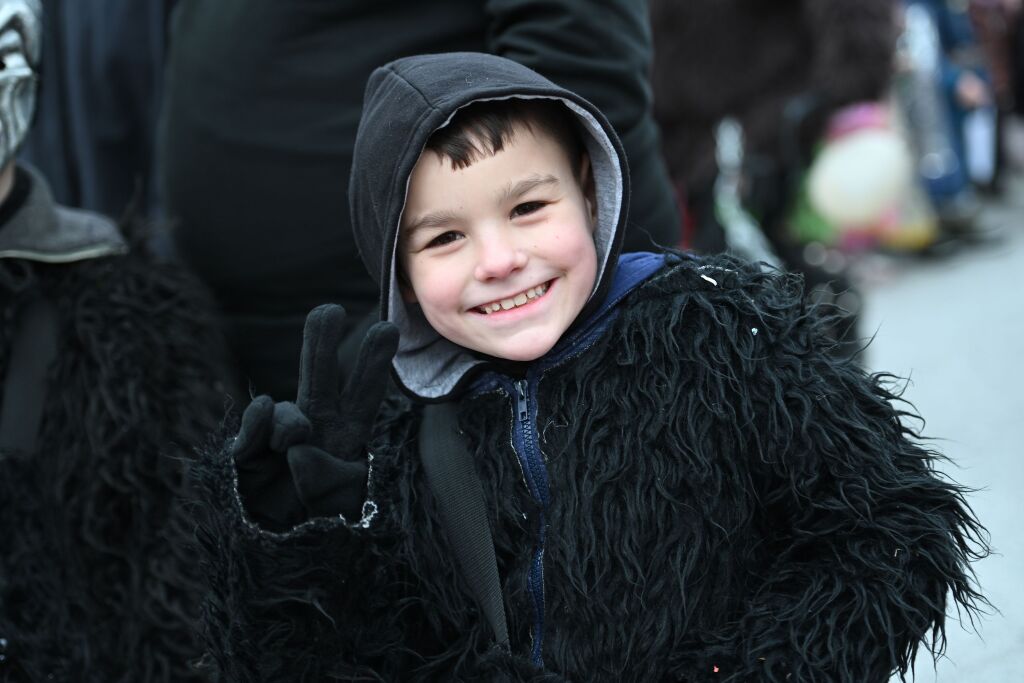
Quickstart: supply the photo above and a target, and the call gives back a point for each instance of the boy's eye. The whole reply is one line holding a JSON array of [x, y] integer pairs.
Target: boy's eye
[[527, 208], [444, 238]]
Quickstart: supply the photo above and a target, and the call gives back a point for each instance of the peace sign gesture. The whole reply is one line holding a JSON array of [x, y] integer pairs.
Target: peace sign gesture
[[307, 458], [342, 420]]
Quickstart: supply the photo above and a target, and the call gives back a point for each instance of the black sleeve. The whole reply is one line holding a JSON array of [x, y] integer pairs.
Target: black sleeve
[[602, 51], [374, 598], [309, 603], [859, 545], [874, 542], [880, 542]]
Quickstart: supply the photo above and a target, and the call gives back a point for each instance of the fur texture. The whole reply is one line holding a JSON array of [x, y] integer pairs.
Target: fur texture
[[725, 494], [96, 581]]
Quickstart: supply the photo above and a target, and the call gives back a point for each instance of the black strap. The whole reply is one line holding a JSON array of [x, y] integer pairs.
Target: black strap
[[32, 351], [456, 486]]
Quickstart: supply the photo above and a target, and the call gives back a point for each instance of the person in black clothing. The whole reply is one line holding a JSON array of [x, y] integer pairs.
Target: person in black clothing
[[779, 68], [261, 107], [111, 373], [101, 75]]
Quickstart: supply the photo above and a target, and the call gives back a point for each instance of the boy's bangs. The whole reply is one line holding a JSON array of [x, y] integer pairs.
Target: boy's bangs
[[483, 128]]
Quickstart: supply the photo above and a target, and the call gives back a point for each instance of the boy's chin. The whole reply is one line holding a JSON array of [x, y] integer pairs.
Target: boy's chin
[[525, 357], [520, 353]]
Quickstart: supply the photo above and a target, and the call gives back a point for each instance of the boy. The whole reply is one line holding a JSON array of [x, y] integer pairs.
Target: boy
[[680, 481]]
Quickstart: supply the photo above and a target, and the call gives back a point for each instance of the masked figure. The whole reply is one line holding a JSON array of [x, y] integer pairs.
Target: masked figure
[[109, 376], [19, 45]]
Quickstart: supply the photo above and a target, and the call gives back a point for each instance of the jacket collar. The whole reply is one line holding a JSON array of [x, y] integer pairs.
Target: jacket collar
[[42, 231]]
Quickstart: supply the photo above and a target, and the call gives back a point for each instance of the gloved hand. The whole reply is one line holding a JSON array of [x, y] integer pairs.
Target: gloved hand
[[307, 458]]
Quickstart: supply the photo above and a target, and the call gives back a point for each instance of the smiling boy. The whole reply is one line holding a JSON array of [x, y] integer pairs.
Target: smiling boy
[[496, 239], [681, 482]]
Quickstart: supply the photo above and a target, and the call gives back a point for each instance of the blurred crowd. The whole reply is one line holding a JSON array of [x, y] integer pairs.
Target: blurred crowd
[[866, 124], [837, 129], [802, 133]]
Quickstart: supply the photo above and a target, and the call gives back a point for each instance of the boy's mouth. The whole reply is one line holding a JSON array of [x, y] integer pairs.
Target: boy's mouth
[[521, 299]]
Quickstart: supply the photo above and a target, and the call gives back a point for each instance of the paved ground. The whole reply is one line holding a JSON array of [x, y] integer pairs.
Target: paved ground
[[955, 327]]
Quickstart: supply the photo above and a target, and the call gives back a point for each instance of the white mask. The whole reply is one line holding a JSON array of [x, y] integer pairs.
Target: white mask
[[20, 28]]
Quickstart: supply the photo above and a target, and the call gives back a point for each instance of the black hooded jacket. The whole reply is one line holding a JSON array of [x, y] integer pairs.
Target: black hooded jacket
[[687, 487]]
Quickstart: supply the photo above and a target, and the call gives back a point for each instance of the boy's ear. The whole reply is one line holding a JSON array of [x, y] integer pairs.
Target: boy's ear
[[589, 191]]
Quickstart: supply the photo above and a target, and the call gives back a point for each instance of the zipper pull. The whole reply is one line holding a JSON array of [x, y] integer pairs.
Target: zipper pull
[[521, 399]]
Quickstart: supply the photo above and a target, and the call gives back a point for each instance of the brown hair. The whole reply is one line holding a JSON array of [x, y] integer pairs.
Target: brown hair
[[484, 128]]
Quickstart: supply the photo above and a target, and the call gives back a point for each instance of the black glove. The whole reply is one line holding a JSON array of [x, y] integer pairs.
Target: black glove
[[307, 458]]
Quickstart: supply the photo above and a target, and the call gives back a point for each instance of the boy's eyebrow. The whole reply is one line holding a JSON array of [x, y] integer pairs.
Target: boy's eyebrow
[[434, 219], [517, 190]]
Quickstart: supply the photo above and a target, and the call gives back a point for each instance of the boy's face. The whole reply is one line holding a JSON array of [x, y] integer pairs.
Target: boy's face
[[511, 232]]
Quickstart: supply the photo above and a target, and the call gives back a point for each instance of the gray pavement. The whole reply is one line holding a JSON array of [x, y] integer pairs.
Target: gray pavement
[[955, 327]]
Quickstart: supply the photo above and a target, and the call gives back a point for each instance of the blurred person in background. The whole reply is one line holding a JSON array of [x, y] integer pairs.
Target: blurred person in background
[[780, 70], [995, 25], [943, 89], [101, 76], [109, 376], [1017, 58], [262, 102]]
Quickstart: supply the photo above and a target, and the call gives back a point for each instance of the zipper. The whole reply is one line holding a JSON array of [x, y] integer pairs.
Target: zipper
[[528, 450], [521, 411]]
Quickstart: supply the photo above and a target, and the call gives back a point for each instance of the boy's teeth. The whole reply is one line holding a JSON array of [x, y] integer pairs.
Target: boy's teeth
[[517, 300]]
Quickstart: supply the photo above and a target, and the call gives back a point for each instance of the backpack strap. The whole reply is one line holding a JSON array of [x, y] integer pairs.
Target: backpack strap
[[456, 486], [24, 389]]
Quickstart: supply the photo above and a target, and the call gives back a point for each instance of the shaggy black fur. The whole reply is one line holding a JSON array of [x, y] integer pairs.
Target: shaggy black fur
[[96, 582], [725, 493]]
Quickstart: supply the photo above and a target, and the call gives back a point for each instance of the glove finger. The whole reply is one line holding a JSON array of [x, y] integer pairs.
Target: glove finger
[[325, 484], [252, 440], [365, 388], [318, 365], [289, 427]]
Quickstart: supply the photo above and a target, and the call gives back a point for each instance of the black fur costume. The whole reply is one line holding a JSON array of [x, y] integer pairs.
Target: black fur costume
[[720, 498], [95, 580]]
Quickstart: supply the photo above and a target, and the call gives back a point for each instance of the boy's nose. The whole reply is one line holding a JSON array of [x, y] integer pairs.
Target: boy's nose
[[498, 257]]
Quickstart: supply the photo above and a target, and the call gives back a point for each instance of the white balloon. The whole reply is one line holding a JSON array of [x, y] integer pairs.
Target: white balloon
[[856, 178]]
